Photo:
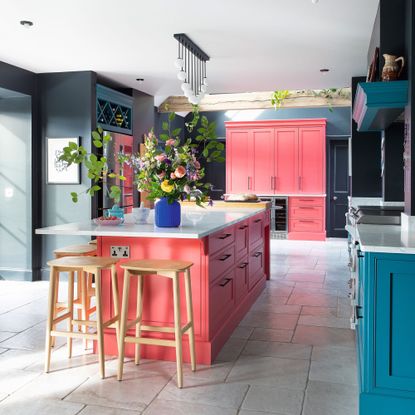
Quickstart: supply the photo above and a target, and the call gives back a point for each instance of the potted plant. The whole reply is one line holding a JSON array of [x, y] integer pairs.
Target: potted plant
[[170, 170]]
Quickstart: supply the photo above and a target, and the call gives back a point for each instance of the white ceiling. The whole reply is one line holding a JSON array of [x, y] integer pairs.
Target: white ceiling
[[254, 45]]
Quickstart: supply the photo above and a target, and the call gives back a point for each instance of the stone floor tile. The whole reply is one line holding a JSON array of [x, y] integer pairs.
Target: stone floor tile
[[314, 335], [164, 407], [324, 398], [133, 393], [318, 311], [275, 349], [325, 321], [17, 321], [306, 277], [4, 335], [269, 399], [204, 392], [242, 332], [269, 320], [22, 406], [102, 410], [272, 335], [313, 299], [231, 350], [277, 308], [271, 371], [12, 380]]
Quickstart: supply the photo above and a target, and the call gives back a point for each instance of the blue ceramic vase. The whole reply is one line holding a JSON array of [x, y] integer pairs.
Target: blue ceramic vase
[[167, 215]]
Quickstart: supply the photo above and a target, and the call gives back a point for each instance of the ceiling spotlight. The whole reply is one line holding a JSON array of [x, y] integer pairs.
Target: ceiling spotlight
[[140, 80], [324, 70], [26, 23], [314, 1]]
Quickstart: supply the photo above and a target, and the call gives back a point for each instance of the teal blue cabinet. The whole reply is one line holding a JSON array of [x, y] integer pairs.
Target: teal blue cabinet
[[385, 334]]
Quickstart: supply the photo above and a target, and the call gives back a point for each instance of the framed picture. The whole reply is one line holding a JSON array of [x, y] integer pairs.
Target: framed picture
[[373, 68], [57, 171]]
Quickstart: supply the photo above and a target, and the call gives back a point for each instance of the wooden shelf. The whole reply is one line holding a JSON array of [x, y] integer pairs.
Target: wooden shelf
[[378, 104]]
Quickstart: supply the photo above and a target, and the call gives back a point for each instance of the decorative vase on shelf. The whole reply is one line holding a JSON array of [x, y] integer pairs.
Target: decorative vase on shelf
[[167, 215], [116, 211], [392, 70]]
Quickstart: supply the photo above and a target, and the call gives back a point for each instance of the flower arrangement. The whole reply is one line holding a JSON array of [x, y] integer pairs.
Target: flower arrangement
[[169, 168]]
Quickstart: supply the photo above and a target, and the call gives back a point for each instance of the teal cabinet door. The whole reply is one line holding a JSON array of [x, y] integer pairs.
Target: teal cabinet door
[[394, 328]]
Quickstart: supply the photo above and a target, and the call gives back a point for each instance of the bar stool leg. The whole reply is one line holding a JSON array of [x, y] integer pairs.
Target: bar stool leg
[[139, 316], [54, 307], [51, 312], [100, 331], [79, 278], [189, 307], [123, 328], [82, 280], [178, 329], [70, 309], [116, 301]]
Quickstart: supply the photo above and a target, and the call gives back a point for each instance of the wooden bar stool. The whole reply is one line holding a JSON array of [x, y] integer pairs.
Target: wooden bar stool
[[164, 268], [83, 265], [84, 293]]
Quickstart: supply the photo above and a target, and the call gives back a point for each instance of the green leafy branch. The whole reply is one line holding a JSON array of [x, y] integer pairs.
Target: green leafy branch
[[278, 97]]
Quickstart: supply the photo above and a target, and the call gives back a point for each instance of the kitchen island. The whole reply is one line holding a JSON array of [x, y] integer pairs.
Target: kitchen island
[[229, 247]]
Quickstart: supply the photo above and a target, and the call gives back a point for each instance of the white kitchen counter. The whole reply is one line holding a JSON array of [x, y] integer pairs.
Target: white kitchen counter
[[384, 238], [196, 223]]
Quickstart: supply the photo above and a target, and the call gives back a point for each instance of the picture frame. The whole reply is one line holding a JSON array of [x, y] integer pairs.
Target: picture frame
[[373, 67], [57, 171]]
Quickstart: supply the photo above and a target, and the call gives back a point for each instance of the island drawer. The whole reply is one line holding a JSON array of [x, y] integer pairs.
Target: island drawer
[[306, 212], [220, 262], [256, 228], [221, 239], [222, 300], [306, 201]]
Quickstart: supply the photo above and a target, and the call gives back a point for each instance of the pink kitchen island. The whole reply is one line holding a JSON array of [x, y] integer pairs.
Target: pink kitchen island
[[229, 247]]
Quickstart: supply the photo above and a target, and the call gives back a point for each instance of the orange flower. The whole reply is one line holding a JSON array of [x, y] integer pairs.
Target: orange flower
[[180, 172]]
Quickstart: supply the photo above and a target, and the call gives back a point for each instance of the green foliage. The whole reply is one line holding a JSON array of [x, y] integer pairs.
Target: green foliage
[[278, 97]]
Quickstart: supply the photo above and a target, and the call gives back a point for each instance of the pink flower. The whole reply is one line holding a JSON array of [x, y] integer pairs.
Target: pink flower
[[170, 142], [161, 174], [197, 164], [186, 189], [172, 176], [180, 172], [161, 157]]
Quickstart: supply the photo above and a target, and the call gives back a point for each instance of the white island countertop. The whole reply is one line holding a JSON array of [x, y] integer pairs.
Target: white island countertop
[[196, 223], [385, 238]]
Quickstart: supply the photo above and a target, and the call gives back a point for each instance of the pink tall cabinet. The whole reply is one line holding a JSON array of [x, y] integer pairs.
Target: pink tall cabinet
[[282, 157]]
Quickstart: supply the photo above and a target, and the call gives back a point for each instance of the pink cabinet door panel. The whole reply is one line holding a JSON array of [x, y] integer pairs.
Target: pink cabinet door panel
[[306, 225], [241, 239], [241, 279], [263, 157], [306, 212], [311, 157], [286, 160], [238, 161]]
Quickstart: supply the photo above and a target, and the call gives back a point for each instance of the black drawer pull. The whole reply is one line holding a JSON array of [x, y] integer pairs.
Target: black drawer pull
[[225, 257], [257, 254], [226, 281], [358, 308], [243, 265], [243, 227], [227, 235], [257, 220]]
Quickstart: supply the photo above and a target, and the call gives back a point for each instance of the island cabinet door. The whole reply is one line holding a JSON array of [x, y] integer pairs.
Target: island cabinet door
[[241, 239], [241, 279], [286, 160], [394, 327], [256, 229], [311, 159], [222, 300], [256, 265], [263, 159], [238, 161]]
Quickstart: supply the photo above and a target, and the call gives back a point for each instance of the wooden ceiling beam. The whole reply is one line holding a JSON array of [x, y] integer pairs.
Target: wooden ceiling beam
[[258, 100]]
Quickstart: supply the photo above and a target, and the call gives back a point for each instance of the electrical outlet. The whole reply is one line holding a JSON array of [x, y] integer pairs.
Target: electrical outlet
[[120, 251]]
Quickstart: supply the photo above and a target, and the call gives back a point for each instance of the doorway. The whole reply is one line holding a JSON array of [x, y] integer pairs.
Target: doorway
[[15, 186], [337, 186]]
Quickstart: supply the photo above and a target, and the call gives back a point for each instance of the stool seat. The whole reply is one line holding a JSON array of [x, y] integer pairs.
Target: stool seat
[[92, 242], [82, 262], [156, 265], [75, 250]]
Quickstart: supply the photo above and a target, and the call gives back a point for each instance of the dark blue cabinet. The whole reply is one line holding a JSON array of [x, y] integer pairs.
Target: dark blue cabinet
[[385, 334]]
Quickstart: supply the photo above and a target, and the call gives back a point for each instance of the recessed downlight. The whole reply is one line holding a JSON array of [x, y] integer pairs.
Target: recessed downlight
[[324, 70], [26, 23], [140, 80]]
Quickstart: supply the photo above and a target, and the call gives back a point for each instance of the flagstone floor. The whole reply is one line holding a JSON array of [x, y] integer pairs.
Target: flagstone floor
[[293, 353]]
